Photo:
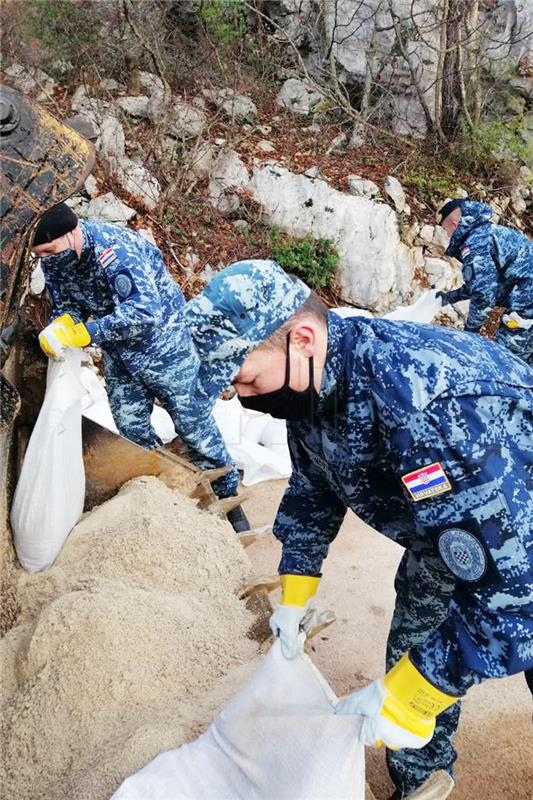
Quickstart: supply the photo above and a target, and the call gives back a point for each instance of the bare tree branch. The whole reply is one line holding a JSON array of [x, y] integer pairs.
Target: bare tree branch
[[156, 58]]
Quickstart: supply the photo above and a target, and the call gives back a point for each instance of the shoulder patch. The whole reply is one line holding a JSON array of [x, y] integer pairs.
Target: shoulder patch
[[468, 272], [107, 257], [463, 554], [426, 482], [123, 284], [465, 251]]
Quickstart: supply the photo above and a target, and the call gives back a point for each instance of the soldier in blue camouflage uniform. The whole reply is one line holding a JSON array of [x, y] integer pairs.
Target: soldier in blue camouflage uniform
[[116, 277], [497, 267], [426, 434]]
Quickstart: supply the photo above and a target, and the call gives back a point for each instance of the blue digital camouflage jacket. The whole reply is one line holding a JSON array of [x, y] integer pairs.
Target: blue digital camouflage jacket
[[426, 434], [497, 264], [121, 281], [137, 311]]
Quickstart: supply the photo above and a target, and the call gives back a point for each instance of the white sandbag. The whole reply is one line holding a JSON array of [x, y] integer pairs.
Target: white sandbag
[[240, 429], [277, 739], [423, 310], [348, 311], [95, 406], [50, 492], [256, 442], [274, 438]]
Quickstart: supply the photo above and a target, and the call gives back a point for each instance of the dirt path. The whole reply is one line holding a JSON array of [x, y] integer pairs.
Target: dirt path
[[495, 738]]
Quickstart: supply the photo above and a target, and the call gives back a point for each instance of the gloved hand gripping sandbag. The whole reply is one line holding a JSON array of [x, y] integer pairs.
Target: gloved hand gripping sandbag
[[296, 593], [63, 333], [400, 709]]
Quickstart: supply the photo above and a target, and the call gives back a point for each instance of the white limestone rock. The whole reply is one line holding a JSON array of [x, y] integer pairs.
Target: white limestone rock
[[147, 234], [91, 107], [108, 208], [410, 235], [136, 107], [358, 136], [518, 202], [135, 179], [158, 104], [439, 272], [30, 80], [427, 233], [37, 280], [109, 85], [265, 146], [439, 243], [376, 268], [297, 96], [228, 174], [79, 204], [361, 187], [186, 121], [394, 189], [201, 158], [150, 82], [112, 141], [90, 186], [237, 107]]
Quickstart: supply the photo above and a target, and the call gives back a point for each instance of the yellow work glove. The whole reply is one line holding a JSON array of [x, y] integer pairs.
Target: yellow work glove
[[296, 592], [63, 332], [399, 709]]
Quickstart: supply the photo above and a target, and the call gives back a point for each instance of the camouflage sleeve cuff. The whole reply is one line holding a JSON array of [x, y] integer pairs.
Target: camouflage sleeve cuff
[[94, 332]]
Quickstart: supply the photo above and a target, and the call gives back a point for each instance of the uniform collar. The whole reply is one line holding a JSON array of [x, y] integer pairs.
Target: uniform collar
[[473, 214], [87, 240], [333, 376]]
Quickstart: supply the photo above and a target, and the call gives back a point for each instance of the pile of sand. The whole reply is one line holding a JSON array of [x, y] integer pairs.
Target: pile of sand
[[118, 646]]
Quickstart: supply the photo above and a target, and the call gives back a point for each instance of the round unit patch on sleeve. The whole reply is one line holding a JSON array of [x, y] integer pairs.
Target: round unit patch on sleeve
[[468, 272], [463, 554], [123, 284]]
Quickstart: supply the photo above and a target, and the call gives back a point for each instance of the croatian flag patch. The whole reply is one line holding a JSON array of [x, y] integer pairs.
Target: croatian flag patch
[[107, 257], [426, 482], [465, 251]]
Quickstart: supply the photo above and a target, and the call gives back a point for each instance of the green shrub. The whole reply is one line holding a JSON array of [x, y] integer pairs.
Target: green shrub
[[488, 142], [313, 260], [224, 19], [429, 183], [66, 30]]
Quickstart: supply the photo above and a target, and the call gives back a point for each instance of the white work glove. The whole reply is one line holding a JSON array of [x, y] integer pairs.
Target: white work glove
[[50, 343], [296, 593], [62, 333], [514, 320], [285, 623], [398, 710]]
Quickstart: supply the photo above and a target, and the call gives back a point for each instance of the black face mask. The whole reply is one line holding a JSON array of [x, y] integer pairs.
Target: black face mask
[[63, 259], [286, 403]]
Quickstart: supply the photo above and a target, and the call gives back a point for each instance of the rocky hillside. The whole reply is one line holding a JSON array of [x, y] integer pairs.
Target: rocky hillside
[[233, 146]]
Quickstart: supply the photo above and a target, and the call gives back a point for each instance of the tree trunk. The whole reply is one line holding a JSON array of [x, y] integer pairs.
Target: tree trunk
[[451, 78]]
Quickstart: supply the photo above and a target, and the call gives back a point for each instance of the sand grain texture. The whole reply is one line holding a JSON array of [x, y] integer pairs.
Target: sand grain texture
[[119, 646]]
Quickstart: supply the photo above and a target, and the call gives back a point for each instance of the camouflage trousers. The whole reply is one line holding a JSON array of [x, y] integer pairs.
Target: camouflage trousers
[[423, 591], [131, 398], [518, 341]]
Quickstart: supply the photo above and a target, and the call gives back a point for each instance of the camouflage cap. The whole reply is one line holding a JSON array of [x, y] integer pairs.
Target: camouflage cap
[[239, 309]]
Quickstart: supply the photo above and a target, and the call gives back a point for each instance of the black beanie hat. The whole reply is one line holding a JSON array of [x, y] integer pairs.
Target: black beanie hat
[[55, 222], [447, 209]]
